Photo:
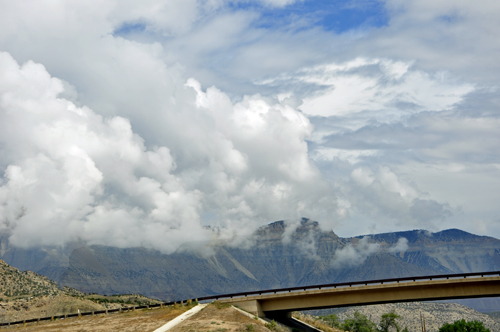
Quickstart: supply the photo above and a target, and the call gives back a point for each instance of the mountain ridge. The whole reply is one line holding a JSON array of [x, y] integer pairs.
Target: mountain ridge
[[279, 257]]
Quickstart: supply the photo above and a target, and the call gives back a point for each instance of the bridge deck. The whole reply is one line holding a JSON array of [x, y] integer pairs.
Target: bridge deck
[[394, 290]]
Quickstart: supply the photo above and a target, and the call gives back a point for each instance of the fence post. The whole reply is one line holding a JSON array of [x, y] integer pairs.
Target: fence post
[[106, 311]]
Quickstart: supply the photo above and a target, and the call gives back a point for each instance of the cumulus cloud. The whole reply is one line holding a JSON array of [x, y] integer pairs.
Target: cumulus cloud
[[382, 126], [74, 175], [80, 176]]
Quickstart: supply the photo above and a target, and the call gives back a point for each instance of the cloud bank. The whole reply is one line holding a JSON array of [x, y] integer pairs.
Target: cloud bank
[[73, 175], [136, 124]]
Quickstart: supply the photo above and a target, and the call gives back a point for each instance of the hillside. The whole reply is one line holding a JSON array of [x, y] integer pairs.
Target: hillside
[[435, 313], [28, 295], [15, 284]]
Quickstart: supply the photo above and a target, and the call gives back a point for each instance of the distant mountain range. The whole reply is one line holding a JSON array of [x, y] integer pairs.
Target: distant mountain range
[[277, 258]]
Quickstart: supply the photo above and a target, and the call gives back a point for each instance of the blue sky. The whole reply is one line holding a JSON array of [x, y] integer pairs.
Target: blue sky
[[335, 16]]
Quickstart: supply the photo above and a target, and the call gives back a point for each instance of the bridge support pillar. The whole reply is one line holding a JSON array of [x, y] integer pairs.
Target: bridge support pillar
[[252, 306]]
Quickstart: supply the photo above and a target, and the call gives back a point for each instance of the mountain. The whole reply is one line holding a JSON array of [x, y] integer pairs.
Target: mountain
[[277, 257]]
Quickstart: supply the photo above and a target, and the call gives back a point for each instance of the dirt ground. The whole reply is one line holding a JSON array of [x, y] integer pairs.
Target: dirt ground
[[213, 318], [219, 318], [133, 321]]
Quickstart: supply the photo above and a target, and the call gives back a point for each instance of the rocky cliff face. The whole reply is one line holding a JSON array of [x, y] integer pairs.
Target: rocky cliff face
[[277, 257]]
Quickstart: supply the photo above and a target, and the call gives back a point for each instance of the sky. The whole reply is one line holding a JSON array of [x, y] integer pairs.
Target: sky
[[131, 123]]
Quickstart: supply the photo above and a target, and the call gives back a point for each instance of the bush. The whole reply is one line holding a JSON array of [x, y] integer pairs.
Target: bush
[[332, 320], [250, 328], [272, 325], [388, 320], [359, 323], [463, 326]]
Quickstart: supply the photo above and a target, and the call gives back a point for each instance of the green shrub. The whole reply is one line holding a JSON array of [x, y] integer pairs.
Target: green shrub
[[250, 328], [463, 326], [388, 320], [359, 323], [272, 325], [332, 320]]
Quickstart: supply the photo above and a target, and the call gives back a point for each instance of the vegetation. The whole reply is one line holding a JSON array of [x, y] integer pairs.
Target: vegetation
[[463, 326], [332, 320], [272, 325], [250, 328], [359, 323], [220, 305], [388, 320]]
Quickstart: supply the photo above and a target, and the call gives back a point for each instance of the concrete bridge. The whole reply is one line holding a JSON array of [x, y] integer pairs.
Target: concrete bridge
[[280, 302]]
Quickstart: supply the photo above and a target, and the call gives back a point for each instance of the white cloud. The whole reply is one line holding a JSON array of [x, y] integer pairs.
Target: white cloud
[[415, 97], [376, 85], [73, 175], [400, 246], [357, 252], [352, 255], [79, 176]]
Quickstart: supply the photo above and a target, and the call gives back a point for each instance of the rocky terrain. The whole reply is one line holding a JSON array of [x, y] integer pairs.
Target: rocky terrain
[[435, 313], [15, 284], [29, 295], [278, 258]]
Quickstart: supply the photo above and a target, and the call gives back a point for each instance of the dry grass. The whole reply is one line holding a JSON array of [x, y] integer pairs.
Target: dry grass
[[213, 318], [220, 318], [319, 324], [133, 321]]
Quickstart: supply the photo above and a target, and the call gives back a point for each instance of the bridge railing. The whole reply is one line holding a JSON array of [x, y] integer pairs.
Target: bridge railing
[[260, 292], [353, 283]]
